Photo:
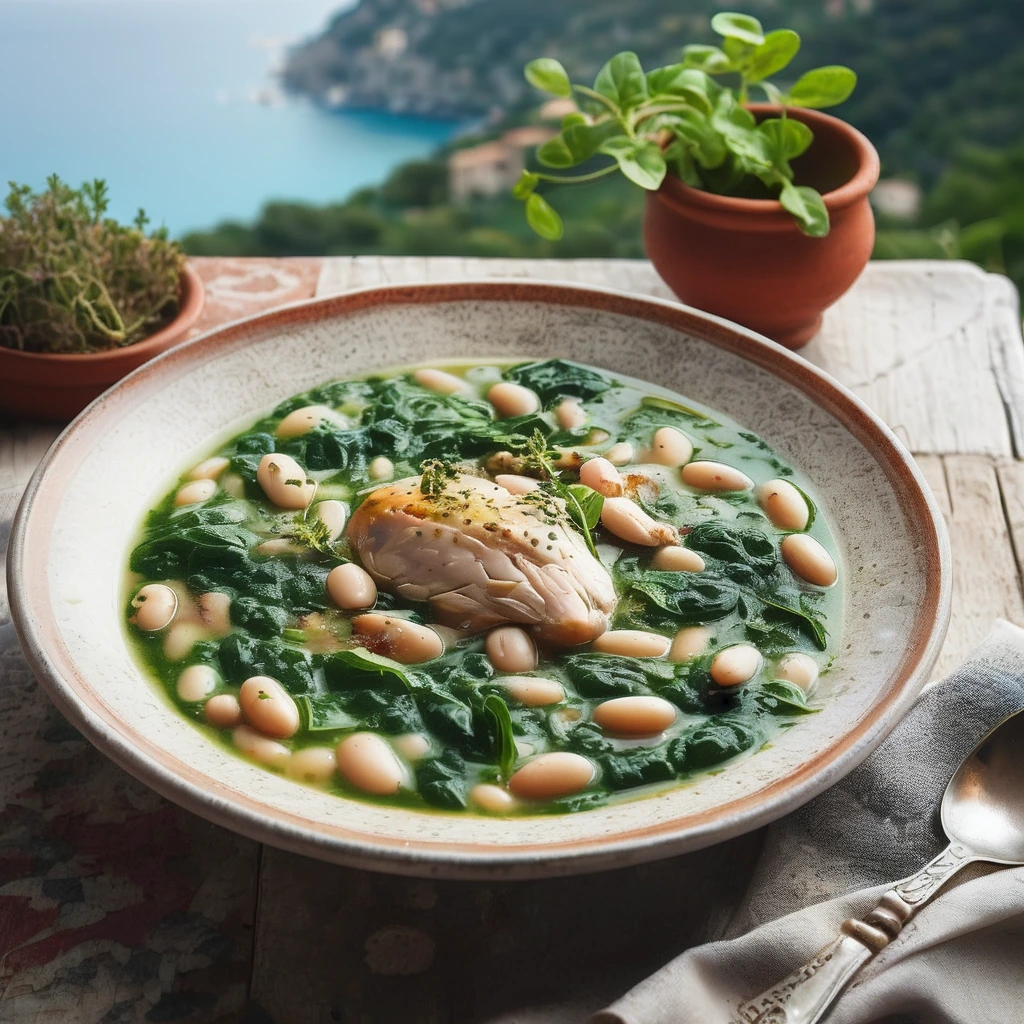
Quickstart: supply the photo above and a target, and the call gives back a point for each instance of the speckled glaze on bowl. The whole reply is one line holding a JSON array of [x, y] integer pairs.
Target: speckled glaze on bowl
[[73, 531]]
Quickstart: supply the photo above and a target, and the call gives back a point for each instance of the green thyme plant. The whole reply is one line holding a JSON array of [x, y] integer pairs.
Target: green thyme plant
[[73, 280], [681, 120]]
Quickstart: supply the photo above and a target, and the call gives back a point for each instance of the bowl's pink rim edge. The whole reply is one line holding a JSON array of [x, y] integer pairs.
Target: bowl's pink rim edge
[[439, 859]]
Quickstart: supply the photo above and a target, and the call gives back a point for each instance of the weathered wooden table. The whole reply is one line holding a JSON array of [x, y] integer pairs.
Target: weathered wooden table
[[118, 906]]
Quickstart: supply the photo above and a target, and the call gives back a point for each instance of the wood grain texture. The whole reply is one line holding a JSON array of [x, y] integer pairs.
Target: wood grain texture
[[117, 906]]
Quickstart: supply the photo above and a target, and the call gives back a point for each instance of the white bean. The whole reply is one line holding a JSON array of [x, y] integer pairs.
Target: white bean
[[797, 668], [412, 745], [634, 717], [677, 559], [311, 764], [570, 414], [278, 547], [269, 707], [511, 649], [302, 421], [381, 468], [233, 485], [223, 711], [620, 454], [715, 476], [259, 747], [404, 641], [181, 638], [369, 764], [196, 683], [284, 481], [688, 643], [736, 664], [195, 492], [669, 447], [511, 399], [533, 691], [210, 469], [440, 381], [350, 586], [629, 522], [809, 560], [516, 484], [632, 643], [155, 606], [596, 436], [784, 505], [492, 799], [552, 775], [333, 514], [601, 476], [215, 611]]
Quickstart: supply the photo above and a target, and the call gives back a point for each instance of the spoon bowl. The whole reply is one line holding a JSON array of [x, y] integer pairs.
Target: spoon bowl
[[983, 806]]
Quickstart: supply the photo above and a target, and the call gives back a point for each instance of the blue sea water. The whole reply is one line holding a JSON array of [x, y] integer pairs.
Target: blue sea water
[[172, 101]]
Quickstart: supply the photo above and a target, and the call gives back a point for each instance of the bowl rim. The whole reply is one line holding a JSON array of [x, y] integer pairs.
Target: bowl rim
[[31, 613]]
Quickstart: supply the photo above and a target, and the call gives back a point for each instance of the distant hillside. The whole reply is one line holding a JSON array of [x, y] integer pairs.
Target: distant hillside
[[932, 75]]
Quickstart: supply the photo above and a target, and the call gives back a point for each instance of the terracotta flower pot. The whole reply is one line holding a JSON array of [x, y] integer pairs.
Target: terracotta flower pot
[[746, 259], [43, 385]]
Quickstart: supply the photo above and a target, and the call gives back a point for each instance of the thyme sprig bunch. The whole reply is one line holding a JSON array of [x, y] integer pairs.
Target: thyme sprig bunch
[[74, 280]]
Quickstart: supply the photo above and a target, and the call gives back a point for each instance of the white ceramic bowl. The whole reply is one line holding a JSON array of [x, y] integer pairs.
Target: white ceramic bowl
[[81, 510]]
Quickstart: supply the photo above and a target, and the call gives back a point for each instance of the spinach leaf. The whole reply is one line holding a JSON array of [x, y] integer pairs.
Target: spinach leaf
[[259, 617], [326, 711], [670, 597], [741, 548], [504, 742], [712, 743], [609, 675], [556, 378], [441, 781], [780, 697], [636, 767], [242, 656], [447, 716], [589, 503], [653, 413], [343, 669]]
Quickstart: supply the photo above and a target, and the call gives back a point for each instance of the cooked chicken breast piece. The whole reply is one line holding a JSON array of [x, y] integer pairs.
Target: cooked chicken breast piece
[[483, 556]]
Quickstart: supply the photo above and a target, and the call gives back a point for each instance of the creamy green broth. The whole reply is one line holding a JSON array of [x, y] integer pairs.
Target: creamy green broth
[[449, 725]]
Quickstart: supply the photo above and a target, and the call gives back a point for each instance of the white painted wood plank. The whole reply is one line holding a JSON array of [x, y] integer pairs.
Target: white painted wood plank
[[933, 347]]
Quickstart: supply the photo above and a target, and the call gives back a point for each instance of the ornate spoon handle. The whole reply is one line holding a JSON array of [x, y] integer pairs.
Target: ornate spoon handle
[[805, 996]]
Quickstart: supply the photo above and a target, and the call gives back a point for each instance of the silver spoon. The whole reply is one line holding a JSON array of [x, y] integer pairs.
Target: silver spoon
[[983, 815]]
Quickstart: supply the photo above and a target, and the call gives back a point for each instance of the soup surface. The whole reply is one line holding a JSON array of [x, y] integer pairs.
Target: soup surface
[[500, 589]]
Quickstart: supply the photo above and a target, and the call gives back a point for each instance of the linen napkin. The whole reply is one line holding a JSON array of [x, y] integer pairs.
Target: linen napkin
[[959, 961]]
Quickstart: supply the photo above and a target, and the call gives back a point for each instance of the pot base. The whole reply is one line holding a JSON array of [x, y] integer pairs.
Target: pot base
[[792, 337]]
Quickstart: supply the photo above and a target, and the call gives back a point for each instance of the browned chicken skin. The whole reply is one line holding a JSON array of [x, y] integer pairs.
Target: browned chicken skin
[[483, 556]]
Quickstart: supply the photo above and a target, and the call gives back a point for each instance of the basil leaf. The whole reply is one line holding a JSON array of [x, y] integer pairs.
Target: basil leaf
[[709, 59], [807, 207], [622, 81], [677, 80], [787, 136], [589, 502], [548, 75], [775, 53], [738, 26], [823, 87], [641, 161], [543, 218], [780, 697]]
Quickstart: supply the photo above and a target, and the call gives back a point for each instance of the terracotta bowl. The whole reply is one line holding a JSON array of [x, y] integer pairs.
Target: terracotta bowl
[[747, 260], [82, 509], [38, 385]]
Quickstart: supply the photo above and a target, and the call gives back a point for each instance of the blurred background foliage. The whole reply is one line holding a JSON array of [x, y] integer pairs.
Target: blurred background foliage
[[939, 93]]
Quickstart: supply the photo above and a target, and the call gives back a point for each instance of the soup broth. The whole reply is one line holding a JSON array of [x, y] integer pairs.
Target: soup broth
[[498, 589]]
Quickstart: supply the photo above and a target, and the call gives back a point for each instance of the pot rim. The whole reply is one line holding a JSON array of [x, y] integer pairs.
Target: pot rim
[[193, 298], [864, 179]]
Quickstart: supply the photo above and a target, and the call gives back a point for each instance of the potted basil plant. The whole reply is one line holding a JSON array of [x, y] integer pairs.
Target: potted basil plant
[[755, 211], [83, 299]]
